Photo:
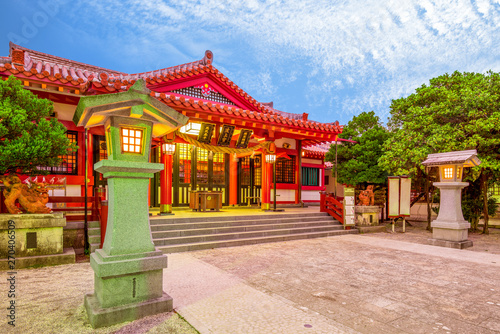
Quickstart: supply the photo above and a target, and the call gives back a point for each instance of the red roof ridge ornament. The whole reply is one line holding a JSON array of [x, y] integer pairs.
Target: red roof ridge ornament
[[209, 57]]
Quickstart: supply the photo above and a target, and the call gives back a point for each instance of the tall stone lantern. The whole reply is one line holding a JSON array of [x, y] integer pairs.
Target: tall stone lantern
[[450, 229], [128, 270]]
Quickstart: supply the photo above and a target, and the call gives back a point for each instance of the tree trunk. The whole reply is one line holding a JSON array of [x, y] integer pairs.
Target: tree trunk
[[427, 199], [484, 184]]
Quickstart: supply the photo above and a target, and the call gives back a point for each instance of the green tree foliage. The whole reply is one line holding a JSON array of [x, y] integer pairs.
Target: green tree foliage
[[357, 163], [27, 138], [454, 112]]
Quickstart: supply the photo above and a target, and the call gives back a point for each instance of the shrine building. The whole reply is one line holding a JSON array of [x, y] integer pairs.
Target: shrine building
[[229, 144]]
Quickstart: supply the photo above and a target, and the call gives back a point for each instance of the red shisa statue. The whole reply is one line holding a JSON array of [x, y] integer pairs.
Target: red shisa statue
[[32, 199], [366, 197]]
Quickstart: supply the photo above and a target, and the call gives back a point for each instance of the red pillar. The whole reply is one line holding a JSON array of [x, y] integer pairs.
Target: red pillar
[[166, 185], [233, 181], [267, 179], [265, 186]]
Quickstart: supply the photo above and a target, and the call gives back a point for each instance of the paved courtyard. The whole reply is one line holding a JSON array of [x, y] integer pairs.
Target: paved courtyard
[[369, 284], [346, 284]]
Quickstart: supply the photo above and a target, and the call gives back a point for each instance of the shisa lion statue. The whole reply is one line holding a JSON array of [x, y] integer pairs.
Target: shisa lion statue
[[33, 199], [366, 197]]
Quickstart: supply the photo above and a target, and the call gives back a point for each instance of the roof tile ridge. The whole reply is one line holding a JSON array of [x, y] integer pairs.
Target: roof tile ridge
[[54, 59], [181, 67]]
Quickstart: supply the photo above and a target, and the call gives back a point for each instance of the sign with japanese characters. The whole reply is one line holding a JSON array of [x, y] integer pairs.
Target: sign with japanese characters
[[244, 138], [225, 135], [206, 133], [349, 206]]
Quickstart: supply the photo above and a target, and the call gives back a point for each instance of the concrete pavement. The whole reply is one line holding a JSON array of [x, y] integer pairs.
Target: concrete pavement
[[343, 284], [214, 301], [333, 285]]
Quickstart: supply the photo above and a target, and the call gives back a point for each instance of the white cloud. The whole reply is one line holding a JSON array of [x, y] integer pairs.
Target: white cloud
[[378, 49]]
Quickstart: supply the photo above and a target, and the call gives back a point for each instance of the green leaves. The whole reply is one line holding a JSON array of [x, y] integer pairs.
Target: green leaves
[[27, 138], [357, 163], [454, 112]]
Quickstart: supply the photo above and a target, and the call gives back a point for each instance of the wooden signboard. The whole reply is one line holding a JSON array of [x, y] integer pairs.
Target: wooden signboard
[[393, 197], [206, 133], [349, 203], [244, 138], [399, 196], [225, 135]]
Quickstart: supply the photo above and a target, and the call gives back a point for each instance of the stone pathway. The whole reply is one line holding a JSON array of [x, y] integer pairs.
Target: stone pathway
[[214, 301], [347, 284], [365, 284]]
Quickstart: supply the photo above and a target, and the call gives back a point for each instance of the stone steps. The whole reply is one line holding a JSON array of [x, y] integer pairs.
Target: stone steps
[[248, 241], [238, 228], [94, 233], [214, 223], [211, 217], [186, 234]]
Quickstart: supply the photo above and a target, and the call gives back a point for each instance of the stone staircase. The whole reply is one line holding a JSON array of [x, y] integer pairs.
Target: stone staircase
[[94, 230], [172, 235]]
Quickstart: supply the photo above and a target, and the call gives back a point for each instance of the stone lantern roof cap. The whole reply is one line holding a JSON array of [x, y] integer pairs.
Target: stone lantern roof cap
[[465, 158], [136, 102]]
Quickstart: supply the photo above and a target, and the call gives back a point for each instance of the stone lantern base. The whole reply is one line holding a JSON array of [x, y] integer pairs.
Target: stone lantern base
[[127, 287], [450, 229], [450, 234]]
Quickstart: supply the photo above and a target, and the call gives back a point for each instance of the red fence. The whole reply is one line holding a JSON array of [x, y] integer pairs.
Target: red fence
[[332, 206], [75, 206]]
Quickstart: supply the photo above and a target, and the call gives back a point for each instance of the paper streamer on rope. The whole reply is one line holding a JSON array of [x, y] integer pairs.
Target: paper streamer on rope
[[265, 145]]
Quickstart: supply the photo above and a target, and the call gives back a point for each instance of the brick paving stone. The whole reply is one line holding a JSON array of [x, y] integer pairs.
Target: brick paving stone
[[380, 283], [410, 325], [492, 324], [372, 286]]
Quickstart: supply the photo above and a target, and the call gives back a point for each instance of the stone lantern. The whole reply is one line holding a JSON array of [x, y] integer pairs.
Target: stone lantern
[[128, 270], [450, 229]]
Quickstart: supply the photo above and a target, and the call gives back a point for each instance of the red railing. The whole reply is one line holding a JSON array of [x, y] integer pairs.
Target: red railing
[[75, 206], [332, 206], [97, 209]]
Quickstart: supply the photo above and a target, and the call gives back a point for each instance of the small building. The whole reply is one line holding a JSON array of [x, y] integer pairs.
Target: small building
[[222, 148]]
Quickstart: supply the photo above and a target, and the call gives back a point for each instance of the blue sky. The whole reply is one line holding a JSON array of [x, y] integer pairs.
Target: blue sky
[[331, 59]]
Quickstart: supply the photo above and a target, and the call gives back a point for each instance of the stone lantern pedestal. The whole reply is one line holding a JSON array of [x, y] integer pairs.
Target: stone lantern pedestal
[[450, 229], [128, 270]]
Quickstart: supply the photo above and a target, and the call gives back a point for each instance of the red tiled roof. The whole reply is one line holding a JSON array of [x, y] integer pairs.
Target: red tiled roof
[[319, 149], [28, 63], [221, 109]]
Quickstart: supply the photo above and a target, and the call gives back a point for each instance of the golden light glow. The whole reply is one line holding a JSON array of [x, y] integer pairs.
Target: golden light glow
[[270, 158], [448, 173], [459, 173], [191, 128], [131, 140], [168, 148]]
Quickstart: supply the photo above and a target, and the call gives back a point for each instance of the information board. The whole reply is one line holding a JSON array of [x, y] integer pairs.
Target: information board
[[405, 197], [399, 196], [349, 196], [393, 197]]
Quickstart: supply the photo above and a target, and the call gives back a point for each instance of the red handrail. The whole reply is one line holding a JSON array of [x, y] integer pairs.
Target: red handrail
[[333, 207]]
